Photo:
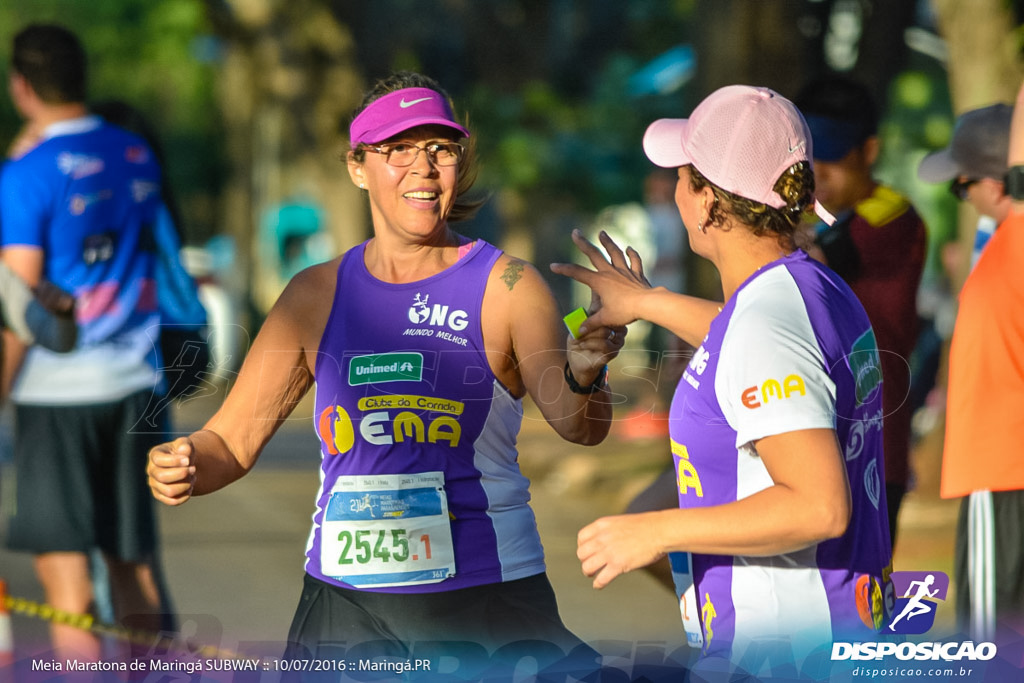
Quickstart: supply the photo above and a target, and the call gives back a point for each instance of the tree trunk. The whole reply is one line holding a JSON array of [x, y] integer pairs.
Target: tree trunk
[[288, 85], [983, 60], [984, 68]]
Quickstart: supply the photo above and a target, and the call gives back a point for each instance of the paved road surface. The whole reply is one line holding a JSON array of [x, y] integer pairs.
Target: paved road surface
[[233, 560]]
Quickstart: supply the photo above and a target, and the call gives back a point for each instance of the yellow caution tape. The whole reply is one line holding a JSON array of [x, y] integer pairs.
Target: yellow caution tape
[[86, 622]]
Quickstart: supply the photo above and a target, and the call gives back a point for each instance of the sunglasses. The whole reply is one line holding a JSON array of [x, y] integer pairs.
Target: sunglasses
[[958, 188]]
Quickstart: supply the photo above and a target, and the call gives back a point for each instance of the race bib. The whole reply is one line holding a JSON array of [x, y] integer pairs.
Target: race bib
[[387, 530]]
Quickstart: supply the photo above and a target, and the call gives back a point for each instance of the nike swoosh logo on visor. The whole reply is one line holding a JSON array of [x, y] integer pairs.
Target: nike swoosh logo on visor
[[405, 105]]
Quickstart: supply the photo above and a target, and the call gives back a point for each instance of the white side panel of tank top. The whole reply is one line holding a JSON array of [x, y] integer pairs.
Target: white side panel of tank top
[[507, 490], [780, 599], [319, 493]]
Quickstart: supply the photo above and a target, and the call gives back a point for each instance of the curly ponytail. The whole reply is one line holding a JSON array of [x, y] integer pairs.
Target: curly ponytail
[[795, 186]]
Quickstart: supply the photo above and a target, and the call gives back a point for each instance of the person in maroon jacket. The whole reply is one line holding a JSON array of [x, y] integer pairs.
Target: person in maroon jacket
[[877, 244]]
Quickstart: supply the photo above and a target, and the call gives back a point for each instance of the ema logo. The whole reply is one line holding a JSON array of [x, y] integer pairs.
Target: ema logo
[[918, 595]]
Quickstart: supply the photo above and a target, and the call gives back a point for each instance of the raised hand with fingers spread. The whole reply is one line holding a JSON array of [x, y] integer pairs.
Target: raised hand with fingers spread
[[773, 423]]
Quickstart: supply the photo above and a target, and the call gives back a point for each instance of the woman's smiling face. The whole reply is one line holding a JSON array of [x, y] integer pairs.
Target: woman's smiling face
[[414, 199]]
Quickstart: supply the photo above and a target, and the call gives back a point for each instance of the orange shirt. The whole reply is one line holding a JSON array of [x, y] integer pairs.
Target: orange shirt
[[985, 405]]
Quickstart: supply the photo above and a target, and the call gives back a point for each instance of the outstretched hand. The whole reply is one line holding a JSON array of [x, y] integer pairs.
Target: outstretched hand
[[617, 282]]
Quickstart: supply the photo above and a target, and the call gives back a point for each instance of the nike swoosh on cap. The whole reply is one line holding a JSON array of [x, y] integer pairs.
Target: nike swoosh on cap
[[404, 105]]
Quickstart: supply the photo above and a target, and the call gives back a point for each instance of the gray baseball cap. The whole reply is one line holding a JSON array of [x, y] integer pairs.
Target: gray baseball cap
[[980, 144]]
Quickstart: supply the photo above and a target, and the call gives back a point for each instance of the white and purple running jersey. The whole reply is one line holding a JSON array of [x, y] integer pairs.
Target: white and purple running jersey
[[791, 350], [420, 483]]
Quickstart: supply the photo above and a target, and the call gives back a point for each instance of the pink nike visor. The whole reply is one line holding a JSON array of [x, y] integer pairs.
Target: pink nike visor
[[399, 111]]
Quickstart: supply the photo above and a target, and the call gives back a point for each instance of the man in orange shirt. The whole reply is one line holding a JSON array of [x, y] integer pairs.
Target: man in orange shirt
[[985, 409]]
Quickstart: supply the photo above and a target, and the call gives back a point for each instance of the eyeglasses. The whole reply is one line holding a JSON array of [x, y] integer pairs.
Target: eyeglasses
[[959, 187], [405, 153]]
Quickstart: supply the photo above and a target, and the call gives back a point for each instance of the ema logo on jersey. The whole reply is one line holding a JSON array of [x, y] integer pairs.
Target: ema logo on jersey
[[918, 595], [687, 477], [772, 389]]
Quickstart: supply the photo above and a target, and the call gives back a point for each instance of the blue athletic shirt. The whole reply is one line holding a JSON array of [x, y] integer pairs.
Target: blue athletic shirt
[[87, 195], [791, 350], [420, 483]]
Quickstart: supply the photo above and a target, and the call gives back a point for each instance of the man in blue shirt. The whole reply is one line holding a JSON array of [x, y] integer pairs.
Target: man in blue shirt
[[76, 210]]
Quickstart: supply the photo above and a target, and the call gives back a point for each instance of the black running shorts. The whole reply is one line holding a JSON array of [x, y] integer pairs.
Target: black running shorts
[[81, 479]]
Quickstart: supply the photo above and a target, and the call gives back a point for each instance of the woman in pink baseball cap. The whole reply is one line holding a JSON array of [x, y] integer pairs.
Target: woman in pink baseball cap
[[781, 534], [422, 344]]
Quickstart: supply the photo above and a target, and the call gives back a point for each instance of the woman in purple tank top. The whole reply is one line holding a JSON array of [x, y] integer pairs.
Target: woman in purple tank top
[[421, 345]]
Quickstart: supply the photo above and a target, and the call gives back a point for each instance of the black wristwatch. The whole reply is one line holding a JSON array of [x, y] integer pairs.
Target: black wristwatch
[[1015, 182], [597, 385]]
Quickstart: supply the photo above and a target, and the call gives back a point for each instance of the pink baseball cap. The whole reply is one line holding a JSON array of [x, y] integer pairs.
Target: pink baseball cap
[[739, 137], [399, 111]]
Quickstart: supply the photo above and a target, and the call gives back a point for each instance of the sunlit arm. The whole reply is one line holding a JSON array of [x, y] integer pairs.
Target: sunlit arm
[[579, 418], [530, 323], [687, 317], [275, 375], [26, 263], [808, 503]]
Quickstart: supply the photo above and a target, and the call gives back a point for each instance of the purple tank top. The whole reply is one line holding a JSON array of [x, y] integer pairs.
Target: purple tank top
[[421, 489]]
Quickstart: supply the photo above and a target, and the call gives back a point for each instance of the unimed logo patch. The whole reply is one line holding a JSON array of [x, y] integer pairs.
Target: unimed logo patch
[[866, 366], [918, 595], [385, 367]]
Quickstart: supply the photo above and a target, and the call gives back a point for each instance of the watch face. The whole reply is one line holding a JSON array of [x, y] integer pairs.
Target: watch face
[[1015, 182]]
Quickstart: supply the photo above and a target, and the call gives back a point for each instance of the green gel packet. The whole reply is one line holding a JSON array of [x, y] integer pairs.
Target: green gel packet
[[573, 321]]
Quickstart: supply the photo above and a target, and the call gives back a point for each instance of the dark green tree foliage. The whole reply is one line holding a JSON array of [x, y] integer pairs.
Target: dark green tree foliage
[[157, 56], [548, 82]]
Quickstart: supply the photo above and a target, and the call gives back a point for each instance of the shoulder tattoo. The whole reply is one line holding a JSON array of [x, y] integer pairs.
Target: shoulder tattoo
[[513, 274]]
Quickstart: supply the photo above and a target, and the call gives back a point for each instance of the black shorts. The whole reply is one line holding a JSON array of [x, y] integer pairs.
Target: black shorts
[[481, 626], [989, 563], [81, 479]]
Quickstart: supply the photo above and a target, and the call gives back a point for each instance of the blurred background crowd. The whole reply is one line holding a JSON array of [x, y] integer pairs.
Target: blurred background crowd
[[252, 99]]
